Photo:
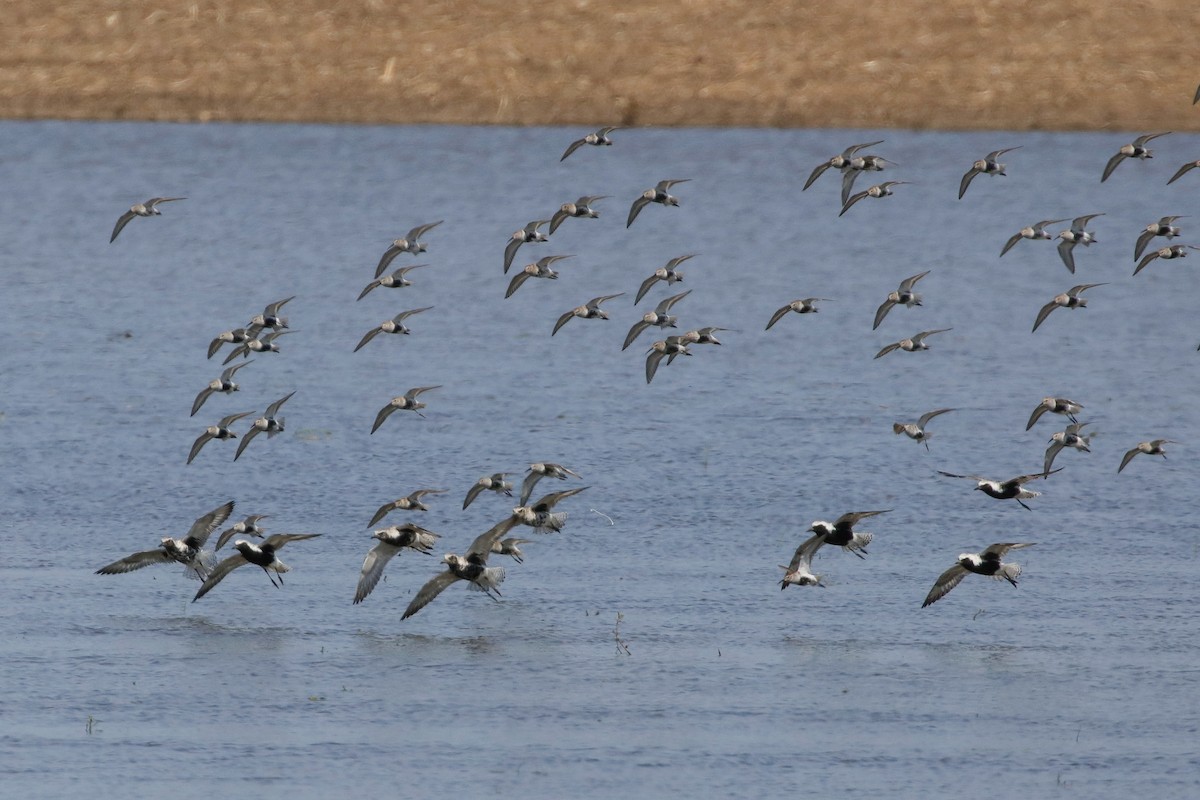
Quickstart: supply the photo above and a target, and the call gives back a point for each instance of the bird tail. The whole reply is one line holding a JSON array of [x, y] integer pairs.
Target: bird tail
[[553, 523], [489, 580], [1009, 572]]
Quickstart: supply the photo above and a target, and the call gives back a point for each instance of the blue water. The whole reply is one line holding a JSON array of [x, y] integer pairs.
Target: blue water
[[1081, 682]]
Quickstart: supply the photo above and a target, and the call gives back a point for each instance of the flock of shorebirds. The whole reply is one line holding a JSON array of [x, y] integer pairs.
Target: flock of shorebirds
[[261, 334]]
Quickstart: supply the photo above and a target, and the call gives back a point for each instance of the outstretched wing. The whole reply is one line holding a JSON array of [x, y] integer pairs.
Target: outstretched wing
[[432, 588], [1016, 237], [945, 582], [372, 569], [636, 209], [218, 574], [203, 527], [572, 147], [966, 181], [136, 561], [122, 221], [1041, 317]]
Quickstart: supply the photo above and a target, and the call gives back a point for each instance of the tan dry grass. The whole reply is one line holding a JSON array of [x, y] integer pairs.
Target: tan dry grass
[[949, 64]]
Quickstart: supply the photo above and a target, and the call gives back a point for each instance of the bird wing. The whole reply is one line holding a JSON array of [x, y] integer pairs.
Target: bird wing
[[383, 414], [1128, 457], [421, 230], [403, 315], [636, 209], [849, 176], [923, 420], [482, 546], [595, 302], [1051, 452], [368, 336], [1065, 251], [966, 181], [945, 582], [887, 349], [273, 409], [278, 540], [136, 561], [802, 556], [246, 439], [907, 284], [665, 306], [880, 312], [228, 373], [1183, 171], [654, 358], [548, 502], [1144, 138], [645, 287], [1142, 241], [923, 335], [1145, 260], [413, 393], [383, 511], [997, 551], [851, 202], [201, 440], [516, 282], [634, 332], [995, 154], [367, 290], [205, 393], [388, 256], [203, 527], [510, 252], [472, 493], [663, 186], [546, 261], [956, 475], [1012, 240], [562, 320], [1111, 165], [432, 588], [557, 220], [372, 569], [527, 485], [219, 572], [816, 173], [572, 147], [273, 309], [1036, 415], [1041, 317]]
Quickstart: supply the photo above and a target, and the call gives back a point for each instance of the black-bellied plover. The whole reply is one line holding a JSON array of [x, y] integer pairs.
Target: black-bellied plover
[[987, 563]]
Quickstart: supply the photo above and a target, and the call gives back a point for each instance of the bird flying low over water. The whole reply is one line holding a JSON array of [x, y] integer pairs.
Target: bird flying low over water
[[659, 194], [878, 190], [911, 345], [839, 533], [223, 384], [235, 336], [411, 243], [987, 563], [1151, 448], [268, 423], [188, 550], [543, 469], [658, 316], [667, 348], [1055, 405], [988, 165], [1163, 227], [412, 502], [246, 527], [539, 269], [916, 430], [837, 162], [259, 555], [1073, 236], [858, 165], [489, 483], [219, 431], [1137, 149], [541, 515], [1068, 299], [391, 541], [668, 274], [270, 318], [470, 567], [805, 306], [529, 233], [395, 280], [146, 209], [1184, 170], [1032, 232], [511, 547], [597, 139], [1166, 254], [903, 296], [265, 344], [1011, 489], [590, 310], [1071, 437], [393, 325], [406, 402], [799, 571], [581, 208]]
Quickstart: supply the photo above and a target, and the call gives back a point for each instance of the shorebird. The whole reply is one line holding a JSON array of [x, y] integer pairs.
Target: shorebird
[[658, 316], [410, 503], [219, 431], [543, 469], [235, 336], [667, 348], [1163, 227], [411, 243], [406, 402], [916, 430], [910, 345], [904, 295], [1066, 438], [146, 209], [270, 317], [659, 194], [529, 233], [666, 273], [1185, 169], [1011, 489], [265, 344], [1031, 232], [539, 269], [988, 165], [705, 335], [1137, 149], [1068, 299], [1151, 448], [223, 384], [391, 541], [541, 515], [799, 571], [259, 555], [805, 306], [246, 527], [489, 483], [471, 567], [839, 533], [837, 162], [188, 550], [857, 165], [986, 563], [598, 139], [511, 547], [581, 208], [1166, 254], [878, 190], [393, 325], [590, 310], [268, 423], [1055, 405], [1073, 236], [395, 280]]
